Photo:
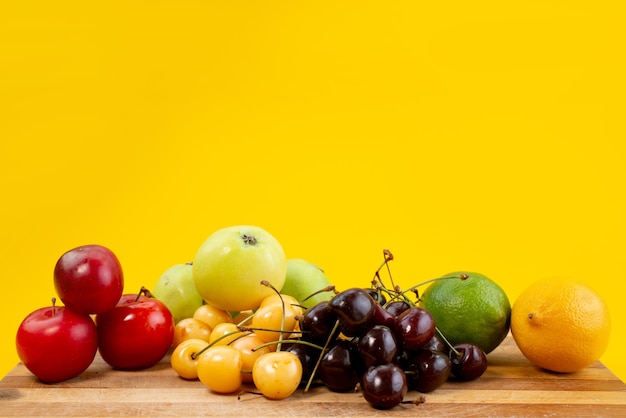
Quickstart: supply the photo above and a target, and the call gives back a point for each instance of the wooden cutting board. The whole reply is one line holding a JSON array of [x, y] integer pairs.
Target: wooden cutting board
[[511, 386]]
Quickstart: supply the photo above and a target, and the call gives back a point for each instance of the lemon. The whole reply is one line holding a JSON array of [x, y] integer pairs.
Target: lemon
[[560, 324], [475, 310]]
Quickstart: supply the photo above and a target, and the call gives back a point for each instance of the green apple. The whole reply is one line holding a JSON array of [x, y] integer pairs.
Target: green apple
[[231, 263], [303, 279], [177, 290]]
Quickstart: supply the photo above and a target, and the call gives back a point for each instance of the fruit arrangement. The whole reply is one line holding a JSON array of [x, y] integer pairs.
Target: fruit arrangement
[[130, 331], [242, 318]]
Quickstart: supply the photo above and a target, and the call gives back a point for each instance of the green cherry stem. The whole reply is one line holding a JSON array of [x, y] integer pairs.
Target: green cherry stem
[[270, 343], [282, 320], [443, 337], [212, 343], [456, 276], [319, 359]]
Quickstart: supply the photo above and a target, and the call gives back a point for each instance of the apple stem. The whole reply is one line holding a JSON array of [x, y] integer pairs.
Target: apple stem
[[145, 292], [54, 306]]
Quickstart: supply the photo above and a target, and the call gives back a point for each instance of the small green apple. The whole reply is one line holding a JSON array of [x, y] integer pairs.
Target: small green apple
[[303, 279], [231, 263], [177, 290]]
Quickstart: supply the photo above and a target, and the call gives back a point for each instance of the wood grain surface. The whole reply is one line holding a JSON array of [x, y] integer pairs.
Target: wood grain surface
[[511, 386]]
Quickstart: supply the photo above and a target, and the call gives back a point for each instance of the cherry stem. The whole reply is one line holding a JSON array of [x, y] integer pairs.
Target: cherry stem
[[456, 276], [330, 288], [252, 329], [246, 319], [443, 337], [319, 359], [282, 320], [212, 343], [388, 257], [270, 343]]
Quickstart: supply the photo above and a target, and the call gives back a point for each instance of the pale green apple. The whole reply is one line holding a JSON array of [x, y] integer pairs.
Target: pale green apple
[[177, 290], [303, 279], [232, 262]]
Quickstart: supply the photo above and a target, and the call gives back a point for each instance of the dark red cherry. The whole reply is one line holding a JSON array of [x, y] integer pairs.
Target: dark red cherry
[[354, 308], [308, 356], [427, 370], [384, 386], [396, 307], [470, 363], [414, 327], [436, 344], [377, 296], [377, 346], [317, 323], [340, 368]]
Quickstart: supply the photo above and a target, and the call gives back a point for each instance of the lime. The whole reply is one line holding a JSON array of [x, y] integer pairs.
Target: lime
[[475, 310]]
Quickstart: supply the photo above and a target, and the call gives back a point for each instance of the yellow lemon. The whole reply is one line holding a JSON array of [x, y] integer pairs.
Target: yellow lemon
[[560, 325]]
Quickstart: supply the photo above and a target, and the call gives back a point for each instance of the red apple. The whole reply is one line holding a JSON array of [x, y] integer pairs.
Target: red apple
[[136, 334], [56, 344], [89, 279]]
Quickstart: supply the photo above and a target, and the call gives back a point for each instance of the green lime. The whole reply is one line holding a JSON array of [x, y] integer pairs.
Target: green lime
[[475, 310]]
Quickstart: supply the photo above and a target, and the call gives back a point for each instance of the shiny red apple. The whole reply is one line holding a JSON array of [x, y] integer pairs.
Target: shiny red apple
[[89, 279], [136, 333], [56, 343]]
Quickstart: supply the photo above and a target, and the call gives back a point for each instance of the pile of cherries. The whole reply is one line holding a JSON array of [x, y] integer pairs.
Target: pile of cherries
[[384, 348]]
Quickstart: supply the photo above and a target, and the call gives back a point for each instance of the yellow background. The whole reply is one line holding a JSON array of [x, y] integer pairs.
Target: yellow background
[[484, 136]]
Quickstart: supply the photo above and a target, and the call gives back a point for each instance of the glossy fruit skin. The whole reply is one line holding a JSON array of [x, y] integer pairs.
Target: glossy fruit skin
[[355, 309], [340, 368], [318, 322], [396, 307], [306, 354], [183, 359], [189, 328], [377, 346], [248, 348], [56, 344], [428, 370], [384, 386], [219, 369], [231, 263], [414, 327], [212, 316], [277, 374], [270, 317], [470, 364], [89, 279], [136, 334], [176, 288], [436, 344]]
